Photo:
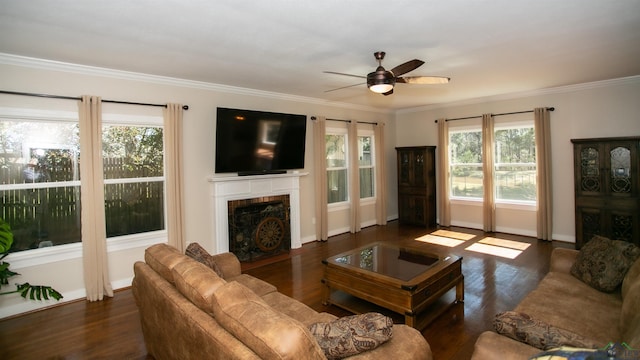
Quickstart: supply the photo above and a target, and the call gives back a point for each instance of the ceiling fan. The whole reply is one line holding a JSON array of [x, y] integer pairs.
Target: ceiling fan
[[382, 81]]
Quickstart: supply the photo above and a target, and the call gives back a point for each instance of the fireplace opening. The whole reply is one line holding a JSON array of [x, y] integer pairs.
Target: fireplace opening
[[259, 227]]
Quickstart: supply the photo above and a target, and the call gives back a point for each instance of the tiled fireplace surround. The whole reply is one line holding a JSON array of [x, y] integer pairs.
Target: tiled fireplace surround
[[228, 188]]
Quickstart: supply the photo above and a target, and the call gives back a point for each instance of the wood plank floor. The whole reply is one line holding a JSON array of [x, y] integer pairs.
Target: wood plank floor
[[110, 329]]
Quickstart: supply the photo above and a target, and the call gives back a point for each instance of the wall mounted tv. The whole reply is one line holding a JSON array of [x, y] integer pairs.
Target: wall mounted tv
[[257, 142]]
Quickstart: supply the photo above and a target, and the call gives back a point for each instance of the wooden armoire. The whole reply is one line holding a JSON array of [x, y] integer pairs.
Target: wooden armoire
[[607, 185], [417, 185]]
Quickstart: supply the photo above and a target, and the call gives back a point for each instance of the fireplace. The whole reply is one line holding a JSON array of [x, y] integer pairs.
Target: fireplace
[[229, 188], [259, 227]]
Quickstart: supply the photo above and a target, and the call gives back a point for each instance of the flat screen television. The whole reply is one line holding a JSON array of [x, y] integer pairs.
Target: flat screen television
[[252, 142]]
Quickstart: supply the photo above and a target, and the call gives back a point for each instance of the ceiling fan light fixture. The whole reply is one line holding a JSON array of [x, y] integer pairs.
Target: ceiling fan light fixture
[[381, 81]]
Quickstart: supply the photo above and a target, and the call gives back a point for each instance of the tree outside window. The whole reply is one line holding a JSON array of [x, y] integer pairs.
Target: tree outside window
[[40, 180], [337, 168], [465, 161], [366, 167]]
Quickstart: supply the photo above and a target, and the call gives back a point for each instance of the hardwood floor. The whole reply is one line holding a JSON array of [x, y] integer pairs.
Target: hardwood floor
[[110, 329]]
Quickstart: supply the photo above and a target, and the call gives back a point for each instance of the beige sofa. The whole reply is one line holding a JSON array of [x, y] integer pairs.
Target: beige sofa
[[566, 302], [176, 294]]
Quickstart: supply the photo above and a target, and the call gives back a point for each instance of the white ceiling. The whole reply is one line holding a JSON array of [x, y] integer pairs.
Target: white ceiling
[[487, 47]]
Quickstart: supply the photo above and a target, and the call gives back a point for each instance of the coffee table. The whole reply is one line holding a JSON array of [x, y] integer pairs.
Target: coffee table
[[406, 280]]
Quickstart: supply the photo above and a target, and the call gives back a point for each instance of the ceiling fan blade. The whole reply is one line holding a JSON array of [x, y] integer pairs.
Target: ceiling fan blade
[[388, 93], [344, 87], [423, 80], [406, 67], [343, 74]]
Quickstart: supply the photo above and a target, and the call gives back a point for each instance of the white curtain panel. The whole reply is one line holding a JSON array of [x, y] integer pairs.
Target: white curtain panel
[[174, 175], [94, 237], [320, 170], [489, 204], [381, 173], [444, 207], [354, 178], [542, 130]]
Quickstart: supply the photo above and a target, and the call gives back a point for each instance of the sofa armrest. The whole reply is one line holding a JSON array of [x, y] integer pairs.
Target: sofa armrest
[[491, 345], [562, 260], [228, 263]]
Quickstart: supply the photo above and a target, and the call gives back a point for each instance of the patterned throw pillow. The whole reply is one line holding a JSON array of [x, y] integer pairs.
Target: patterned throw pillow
[[602, 263], [351, 335], [571, 353], [524, 328], [197, 252]]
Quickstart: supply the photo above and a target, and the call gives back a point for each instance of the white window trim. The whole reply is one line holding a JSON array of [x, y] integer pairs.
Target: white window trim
[[72, 251]]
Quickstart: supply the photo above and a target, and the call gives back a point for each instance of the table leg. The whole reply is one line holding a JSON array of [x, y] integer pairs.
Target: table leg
[[460, 291], [326, 292]]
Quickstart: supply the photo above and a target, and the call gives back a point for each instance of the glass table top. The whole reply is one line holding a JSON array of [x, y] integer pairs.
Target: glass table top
[[385, 259]]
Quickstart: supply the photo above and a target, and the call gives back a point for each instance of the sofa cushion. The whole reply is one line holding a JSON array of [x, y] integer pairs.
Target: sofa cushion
[[632, 277], [559, 295], [197, 282], [162, 258], [197, 252], [295, 309], [269, 333], [351, 335], [602, 263], [522, 327], [258, 286], [630, 317]]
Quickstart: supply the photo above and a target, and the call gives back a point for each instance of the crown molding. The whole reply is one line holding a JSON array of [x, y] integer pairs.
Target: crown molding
[[525, 94], [52, 65]]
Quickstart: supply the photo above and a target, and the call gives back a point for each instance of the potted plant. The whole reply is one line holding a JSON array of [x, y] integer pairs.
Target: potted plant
[[26, 290]]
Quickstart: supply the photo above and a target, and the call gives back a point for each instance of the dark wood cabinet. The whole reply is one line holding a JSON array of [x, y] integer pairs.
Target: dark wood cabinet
[[417, 185], [607, 173]]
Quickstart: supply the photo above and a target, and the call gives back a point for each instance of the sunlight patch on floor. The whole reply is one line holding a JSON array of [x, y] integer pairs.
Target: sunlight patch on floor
[[439, 240], [505, 243], [498, 247], [446, 238], [453, 234]]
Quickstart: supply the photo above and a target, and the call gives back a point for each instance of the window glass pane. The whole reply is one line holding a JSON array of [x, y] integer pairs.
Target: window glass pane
[[465, 160], [36, 152], [366, 183], [364, 150], [337, 183], [336, 151], [515, 164], [42, 217], [34, 156], [132, 208], [133, 153]]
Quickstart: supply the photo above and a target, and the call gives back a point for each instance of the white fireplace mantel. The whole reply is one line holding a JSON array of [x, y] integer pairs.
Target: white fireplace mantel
[[228, 188]]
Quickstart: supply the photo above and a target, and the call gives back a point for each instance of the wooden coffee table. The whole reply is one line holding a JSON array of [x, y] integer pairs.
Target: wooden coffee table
[[406, 280]]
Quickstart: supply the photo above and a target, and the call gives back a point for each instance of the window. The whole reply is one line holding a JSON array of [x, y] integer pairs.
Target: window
[[366, 166], [515, 163], [465, 162], [336, 146], [40, 176], [40, 181], [134, 178]]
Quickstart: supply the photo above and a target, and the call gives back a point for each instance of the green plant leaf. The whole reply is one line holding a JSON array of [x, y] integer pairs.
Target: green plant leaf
[[38, 292], [6, 236]]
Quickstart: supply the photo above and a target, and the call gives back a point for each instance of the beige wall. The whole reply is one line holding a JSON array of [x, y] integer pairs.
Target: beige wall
[[602, 109], [199, 135]]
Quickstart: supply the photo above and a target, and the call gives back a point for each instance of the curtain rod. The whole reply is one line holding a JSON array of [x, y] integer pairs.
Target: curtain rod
[[509, 113], [184, 107], [348, 121]]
